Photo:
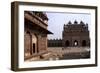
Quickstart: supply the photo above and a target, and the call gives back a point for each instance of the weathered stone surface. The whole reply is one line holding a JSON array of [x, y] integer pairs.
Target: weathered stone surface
[[35, 34]]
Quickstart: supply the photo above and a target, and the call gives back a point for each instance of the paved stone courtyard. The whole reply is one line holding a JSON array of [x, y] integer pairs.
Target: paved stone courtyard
[[59, 53], [71, 52]]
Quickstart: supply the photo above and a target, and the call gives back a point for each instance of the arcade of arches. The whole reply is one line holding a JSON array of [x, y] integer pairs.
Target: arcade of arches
[[84, 43], [34, 44]]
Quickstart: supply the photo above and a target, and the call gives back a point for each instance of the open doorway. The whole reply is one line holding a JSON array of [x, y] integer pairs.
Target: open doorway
[[75, 43], [67, 43], [34, 44], [33, 47], [84, 43]]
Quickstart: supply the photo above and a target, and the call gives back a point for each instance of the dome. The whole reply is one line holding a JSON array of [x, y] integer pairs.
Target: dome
[[75, 22], [69, 22], [81, 22]]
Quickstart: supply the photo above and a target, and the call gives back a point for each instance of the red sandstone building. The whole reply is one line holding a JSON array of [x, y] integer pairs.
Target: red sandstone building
[[35, 33], [73, 35], [76, 35]]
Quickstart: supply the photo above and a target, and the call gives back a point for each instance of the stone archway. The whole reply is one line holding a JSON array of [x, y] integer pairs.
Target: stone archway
[[34, 44], [27, 43], [67, 43], [84, 43], [75, 43]]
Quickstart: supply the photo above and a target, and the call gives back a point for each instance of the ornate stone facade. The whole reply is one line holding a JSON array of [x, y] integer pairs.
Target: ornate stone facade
[[76, 35]]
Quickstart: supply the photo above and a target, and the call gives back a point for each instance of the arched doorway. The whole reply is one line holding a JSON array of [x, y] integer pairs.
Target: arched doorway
[[84, 43], [75, 43], [67, 44], [27, 43], [34, 44]]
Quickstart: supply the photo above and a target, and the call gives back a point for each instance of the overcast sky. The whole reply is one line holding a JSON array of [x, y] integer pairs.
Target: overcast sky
[[57, 20]]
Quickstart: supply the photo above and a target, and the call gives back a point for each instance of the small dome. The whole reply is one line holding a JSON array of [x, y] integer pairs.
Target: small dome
[[75, 22], [69, 22], [81, 22]]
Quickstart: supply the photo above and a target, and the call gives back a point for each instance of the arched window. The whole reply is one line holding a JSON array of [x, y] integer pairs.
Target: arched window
[[75, 43], [84, 43], [67, 43]]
